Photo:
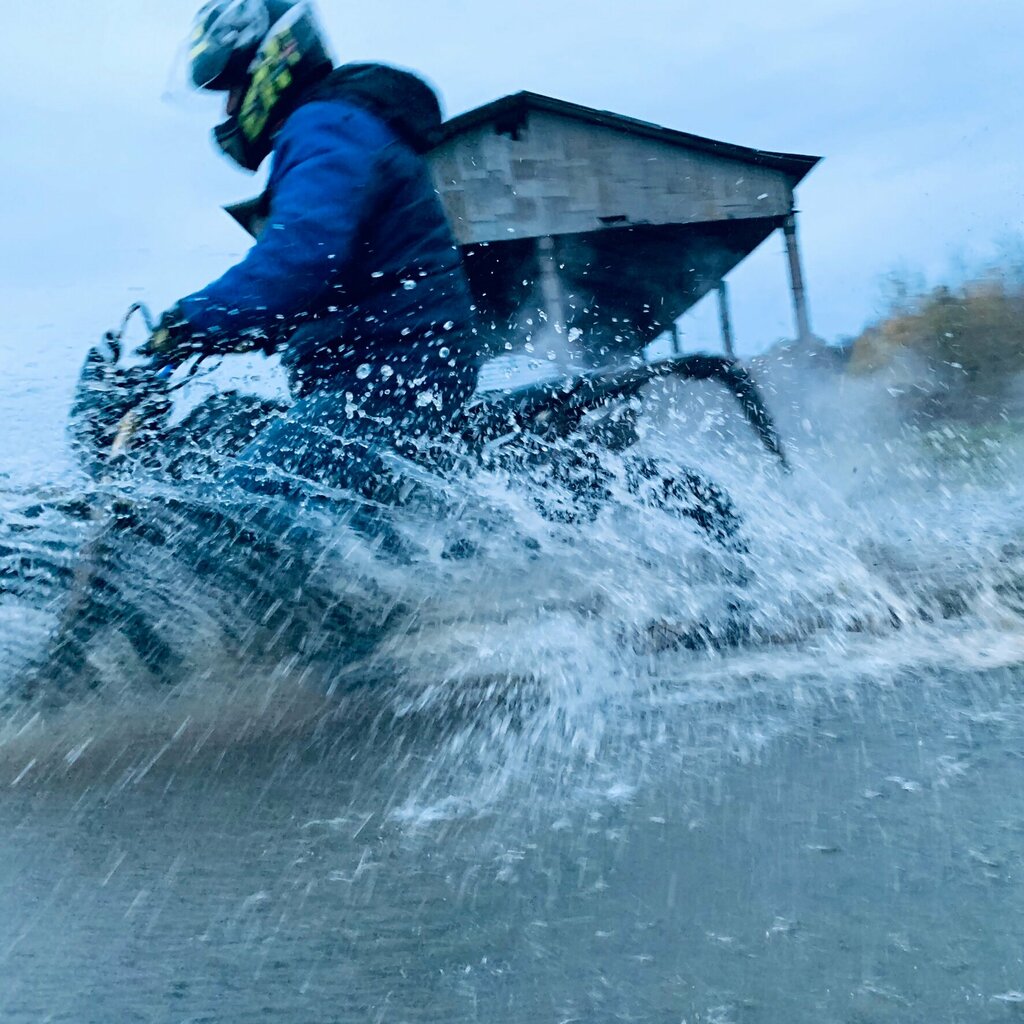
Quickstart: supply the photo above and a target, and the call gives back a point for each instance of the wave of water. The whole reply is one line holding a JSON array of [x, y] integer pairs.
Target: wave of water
[[552, 644], [604, 770]]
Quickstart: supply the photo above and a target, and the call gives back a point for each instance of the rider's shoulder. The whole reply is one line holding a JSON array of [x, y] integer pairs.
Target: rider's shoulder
[[334, 122]]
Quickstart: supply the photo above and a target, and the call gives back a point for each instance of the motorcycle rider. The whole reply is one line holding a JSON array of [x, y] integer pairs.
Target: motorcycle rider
[[355, 276]]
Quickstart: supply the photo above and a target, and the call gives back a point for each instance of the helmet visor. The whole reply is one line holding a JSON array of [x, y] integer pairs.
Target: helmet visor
[[224, 38]]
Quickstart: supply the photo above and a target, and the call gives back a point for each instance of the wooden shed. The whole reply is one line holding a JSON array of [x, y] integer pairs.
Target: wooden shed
[[600, 230]]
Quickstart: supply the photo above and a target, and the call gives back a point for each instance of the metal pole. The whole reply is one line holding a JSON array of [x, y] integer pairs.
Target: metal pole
[[796, 276], [677, 340], [554, 300], [726, 319]]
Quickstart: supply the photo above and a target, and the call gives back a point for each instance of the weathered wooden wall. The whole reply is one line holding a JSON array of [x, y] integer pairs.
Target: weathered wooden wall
[[561, 176]]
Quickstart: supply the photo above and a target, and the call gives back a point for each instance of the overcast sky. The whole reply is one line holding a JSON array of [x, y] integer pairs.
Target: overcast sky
[[110, 192]]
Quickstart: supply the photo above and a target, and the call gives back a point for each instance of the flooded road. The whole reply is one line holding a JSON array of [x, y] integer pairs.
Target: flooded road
[[865, 866], [553, 811]]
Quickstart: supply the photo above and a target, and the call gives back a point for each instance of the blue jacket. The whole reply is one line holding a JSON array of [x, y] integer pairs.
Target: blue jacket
[[356, 263]]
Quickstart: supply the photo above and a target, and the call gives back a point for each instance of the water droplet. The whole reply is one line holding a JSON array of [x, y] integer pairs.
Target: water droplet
[[364, 371]]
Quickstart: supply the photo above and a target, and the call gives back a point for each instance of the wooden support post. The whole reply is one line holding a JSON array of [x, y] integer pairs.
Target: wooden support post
[[556, 337], [726, 319], [796, 277]]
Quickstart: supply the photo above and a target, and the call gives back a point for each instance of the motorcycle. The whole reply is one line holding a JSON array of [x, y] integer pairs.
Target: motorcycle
[[173, 558]]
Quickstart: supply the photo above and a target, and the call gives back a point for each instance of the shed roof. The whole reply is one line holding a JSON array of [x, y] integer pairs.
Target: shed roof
[[509, 115]]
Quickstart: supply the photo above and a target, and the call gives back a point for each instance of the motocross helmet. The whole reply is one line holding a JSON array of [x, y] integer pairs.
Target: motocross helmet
[[268, 52]]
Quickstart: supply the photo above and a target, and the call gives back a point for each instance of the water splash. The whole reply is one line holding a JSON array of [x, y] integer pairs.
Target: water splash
[[566, 654]]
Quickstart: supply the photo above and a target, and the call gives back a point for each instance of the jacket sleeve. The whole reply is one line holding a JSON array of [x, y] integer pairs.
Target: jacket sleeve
[[323, 168]]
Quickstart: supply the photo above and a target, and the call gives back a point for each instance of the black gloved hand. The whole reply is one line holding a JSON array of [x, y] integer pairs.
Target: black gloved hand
[[173, 341]]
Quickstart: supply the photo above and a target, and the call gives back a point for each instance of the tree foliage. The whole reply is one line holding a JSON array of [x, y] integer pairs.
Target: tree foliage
[[952, 354]]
